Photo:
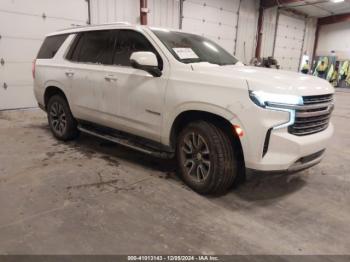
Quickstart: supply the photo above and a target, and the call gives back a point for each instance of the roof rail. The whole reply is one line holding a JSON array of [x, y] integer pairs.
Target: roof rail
[[74, 26], [71, 27], [112, 23]]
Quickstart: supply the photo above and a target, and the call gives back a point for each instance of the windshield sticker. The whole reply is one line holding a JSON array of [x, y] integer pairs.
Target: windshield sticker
[[185, 53]]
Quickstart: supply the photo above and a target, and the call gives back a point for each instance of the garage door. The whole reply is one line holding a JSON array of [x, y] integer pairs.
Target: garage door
[[23, 25], [289, 41], [215, 19]]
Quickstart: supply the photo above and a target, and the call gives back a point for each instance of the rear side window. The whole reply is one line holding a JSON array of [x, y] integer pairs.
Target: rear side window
[[50, 46], [93, 47]]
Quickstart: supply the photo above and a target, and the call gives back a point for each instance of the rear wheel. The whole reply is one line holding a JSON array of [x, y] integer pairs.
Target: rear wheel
[[206, 158], [61, 121]]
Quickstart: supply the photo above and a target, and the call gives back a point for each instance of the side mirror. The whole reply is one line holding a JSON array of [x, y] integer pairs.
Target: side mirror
[[146, 61]]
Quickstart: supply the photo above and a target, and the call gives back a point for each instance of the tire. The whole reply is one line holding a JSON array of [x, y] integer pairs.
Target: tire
[[61, 121], [206, 158]]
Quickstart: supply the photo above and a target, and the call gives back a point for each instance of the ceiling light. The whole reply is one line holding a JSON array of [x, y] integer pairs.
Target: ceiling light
[[337, 1]]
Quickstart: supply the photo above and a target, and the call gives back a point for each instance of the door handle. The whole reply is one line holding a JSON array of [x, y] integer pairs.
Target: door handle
[[111, 78], [69, 73]]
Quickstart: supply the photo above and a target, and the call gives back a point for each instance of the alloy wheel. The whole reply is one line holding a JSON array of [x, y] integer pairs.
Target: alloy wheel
[[58, 118], [196, 156]]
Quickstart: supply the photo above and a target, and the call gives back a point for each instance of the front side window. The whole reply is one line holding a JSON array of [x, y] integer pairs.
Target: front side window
[[189, 48], [50, 46], [130, 41], [93, 47]]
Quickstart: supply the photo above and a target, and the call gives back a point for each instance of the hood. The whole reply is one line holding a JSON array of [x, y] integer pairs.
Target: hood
[[269, 80]]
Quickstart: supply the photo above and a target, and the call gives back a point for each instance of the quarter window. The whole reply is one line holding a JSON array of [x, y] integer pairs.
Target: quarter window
[[50, 46]]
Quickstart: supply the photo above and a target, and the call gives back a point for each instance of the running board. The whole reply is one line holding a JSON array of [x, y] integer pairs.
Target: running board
[[127, 143]]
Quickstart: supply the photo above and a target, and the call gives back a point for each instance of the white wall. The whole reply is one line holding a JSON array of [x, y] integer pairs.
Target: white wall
[[23, 26], [289, 41], [214, 19], [164, 13], [309, 42], [247, 30], [335, 37], [108, 11], [295, 36], [269, 30]]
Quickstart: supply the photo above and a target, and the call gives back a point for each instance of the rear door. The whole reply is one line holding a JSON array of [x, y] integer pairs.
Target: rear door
[[90, 53]]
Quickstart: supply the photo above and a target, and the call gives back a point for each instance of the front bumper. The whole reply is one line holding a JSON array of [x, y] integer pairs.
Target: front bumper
[[272, 149], [300, 165], [290, 153]]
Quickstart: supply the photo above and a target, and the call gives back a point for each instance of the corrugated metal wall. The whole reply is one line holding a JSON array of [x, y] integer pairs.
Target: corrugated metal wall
[[289, 40], [108, 11], [295, 36], [215, 19], [247, 30], [164, 13], [309, 42], [269, 31]]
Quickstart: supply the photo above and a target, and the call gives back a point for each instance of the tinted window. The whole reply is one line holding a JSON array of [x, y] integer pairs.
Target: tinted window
[[50, 46], [93, 47], [128, 42], [189, 48]]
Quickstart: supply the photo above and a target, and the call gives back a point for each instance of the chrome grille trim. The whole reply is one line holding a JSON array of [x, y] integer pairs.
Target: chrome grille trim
[[317, 99], [313, 116]]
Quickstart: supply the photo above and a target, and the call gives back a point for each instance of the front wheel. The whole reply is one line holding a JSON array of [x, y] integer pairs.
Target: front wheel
[[206, 158], [61, 121]]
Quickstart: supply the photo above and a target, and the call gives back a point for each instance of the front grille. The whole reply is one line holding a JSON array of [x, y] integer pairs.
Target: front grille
[[313, 116], [317, 99]]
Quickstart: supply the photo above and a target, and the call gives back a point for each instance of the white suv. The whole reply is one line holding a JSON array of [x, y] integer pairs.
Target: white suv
[[169, 93]]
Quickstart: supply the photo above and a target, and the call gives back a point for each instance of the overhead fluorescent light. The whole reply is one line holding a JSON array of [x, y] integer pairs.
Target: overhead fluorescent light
[[337, 1]]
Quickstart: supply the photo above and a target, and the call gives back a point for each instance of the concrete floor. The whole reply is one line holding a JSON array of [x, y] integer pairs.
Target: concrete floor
[[93, 197]]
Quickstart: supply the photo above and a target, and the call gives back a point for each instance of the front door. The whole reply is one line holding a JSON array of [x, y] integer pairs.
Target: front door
[[134, 99]]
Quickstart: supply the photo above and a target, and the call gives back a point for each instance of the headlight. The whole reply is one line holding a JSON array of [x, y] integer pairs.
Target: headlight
[[265, 99], [278, 102]]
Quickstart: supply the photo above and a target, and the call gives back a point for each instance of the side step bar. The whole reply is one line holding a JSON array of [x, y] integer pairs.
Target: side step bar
[[128, 143]]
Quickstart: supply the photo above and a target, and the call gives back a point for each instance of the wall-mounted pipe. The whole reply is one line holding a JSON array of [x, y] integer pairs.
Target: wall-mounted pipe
[[259, 33], [317, 33], [181, 13], [303, 44], [275, 35], [143, 12], [89, 12]]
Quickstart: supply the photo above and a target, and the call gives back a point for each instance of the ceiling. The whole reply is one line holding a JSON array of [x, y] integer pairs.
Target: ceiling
[[320, 8]]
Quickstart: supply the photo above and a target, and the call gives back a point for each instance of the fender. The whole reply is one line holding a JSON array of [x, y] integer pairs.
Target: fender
[[60, 86], [203, 107], [192, 106]]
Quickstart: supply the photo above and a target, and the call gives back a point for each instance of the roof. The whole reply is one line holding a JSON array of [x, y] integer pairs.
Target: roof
[[115, 25]]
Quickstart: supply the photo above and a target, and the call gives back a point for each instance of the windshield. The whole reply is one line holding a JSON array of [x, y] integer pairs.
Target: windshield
[[189, 48]]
